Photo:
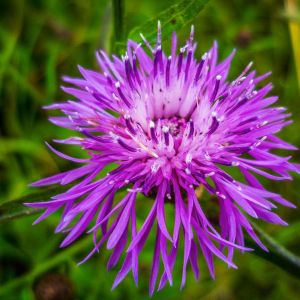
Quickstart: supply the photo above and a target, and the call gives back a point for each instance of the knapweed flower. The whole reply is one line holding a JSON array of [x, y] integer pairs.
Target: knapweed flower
[[168, 125]]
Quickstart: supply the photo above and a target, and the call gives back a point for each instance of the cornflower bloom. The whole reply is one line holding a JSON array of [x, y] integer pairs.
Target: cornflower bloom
[[168, 124]]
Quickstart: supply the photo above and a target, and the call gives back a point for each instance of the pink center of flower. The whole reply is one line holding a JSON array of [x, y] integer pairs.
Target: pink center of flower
[[175, 126]]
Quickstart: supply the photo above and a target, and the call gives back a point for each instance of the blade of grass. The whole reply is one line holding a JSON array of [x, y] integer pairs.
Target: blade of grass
[[294, 27], [10, 41]]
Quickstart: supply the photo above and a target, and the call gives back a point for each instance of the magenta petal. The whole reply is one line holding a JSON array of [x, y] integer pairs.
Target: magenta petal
[[160, 211], [123, 272], [194, 260], [165, 258], [118, 250], [155, 264]]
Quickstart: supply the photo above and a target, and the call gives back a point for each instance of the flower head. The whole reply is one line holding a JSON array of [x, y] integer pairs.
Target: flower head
[[169, 124]]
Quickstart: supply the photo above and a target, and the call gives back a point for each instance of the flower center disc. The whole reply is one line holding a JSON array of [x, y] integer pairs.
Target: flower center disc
[[176, 126]]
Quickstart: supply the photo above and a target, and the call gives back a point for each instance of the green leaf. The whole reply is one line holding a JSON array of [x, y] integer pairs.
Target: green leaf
[[172, 19], [277, 255], [13, 209]]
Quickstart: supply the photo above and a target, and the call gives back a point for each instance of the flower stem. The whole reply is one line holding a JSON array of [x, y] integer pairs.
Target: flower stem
[[118, 20]]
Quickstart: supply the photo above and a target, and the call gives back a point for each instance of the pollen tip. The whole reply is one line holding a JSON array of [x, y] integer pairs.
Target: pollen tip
[[165, 129], [143, 38], [204, 56], [187, 171], [188, 158], [219, 77], [151, 124], [117, 84]]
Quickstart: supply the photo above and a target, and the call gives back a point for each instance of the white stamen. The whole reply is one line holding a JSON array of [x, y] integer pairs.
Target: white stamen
[[220, 195], [115, 97], [165, 129], [155, 167], [134, 190], [209, 174], [207, 156], [183, 48], [114, 136], [187, 171], [220, 119], [204, 56], [188, 158]]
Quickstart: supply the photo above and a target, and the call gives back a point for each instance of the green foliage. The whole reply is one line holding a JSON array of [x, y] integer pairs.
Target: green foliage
[[172, 19], [42, 40]]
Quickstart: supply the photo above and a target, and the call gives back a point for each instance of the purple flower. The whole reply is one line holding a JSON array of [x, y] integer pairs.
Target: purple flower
[[168, 124]]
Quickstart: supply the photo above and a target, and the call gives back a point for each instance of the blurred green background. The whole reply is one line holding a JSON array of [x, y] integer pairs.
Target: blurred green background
[[41, 40]]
